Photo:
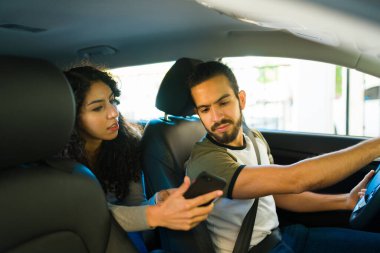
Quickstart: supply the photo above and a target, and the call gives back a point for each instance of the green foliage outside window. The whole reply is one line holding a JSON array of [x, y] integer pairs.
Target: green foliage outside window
[[338, 81], [268, 74]]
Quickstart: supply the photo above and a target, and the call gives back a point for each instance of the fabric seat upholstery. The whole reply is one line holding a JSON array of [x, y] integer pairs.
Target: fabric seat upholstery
[[48, 205]]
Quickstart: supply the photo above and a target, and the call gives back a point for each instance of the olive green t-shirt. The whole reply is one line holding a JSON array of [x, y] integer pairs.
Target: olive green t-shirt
[[227, 216]]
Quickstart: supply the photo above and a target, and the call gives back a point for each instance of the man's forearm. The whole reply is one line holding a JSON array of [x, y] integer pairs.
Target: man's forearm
[[309, 174], [312, 202], [325, 170]]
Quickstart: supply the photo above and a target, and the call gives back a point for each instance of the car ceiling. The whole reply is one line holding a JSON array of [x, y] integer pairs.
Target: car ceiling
[[148, 31]]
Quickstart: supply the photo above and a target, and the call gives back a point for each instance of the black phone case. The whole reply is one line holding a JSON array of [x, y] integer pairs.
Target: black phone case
[[205, 183]]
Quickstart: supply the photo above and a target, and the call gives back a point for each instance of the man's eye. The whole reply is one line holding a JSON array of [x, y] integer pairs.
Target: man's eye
[[204, 110], [224, 103]]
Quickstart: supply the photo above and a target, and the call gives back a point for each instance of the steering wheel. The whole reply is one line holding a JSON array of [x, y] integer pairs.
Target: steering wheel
[[367, 207]]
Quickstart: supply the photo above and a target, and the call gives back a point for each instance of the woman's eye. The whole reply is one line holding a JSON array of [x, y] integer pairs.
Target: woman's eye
[[97, 109]]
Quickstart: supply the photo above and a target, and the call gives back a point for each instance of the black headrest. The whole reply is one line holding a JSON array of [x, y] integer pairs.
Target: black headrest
[[174, 97], [38, 110]]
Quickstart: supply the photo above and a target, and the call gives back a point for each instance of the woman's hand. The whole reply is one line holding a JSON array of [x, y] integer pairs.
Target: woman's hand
[[163, 195], [358, 191], [178, 213]]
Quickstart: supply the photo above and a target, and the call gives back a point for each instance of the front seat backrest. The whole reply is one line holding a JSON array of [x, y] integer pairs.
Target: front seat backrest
[[47, 205], [168, 141], [166, 145]]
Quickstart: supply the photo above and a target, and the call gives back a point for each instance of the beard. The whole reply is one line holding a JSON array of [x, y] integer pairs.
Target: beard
[[226, 137]]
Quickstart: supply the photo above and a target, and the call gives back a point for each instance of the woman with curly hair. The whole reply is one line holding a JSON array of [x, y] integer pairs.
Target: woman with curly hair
[[109, 146]]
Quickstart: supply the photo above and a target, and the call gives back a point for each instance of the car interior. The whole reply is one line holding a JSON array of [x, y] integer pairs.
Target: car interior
[[53, 205]]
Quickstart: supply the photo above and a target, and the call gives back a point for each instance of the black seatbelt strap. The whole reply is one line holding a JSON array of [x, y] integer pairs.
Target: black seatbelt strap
[[245, 234]]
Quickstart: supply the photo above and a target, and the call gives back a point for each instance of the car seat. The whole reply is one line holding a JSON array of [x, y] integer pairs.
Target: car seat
[[166, 145], [48, 205]]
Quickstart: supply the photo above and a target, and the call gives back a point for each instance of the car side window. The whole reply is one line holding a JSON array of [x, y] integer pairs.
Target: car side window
[[139, 86], [308, 96], [282, 94]]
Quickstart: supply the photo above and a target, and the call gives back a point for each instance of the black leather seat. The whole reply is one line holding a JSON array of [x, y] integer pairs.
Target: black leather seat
[[47, 205], [166, 145]]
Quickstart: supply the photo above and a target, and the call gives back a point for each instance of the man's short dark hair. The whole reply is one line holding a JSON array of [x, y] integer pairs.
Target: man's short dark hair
[[208, 70]]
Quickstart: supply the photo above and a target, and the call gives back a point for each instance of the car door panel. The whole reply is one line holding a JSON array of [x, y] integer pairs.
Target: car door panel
[[291, 147]]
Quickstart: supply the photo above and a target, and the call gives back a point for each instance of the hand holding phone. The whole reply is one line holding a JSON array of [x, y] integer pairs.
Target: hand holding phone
[[205, 183]]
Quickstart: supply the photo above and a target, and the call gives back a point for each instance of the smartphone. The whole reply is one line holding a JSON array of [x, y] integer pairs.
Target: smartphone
[[205, 183]]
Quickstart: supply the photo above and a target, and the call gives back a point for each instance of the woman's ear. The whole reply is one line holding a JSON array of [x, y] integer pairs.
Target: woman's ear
[[242, 100]]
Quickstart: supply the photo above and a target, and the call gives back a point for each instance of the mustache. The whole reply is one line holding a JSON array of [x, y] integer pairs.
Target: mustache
[[223, 121]]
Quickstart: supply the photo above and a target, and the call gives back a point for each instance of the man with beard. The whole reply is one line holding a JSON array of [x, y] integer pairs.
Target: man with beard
[[227, 152]]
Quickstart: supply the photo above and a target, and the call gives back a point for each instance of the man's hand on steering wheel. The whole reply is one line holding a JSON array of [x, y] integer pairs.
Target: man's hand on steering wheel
[[358, 191]]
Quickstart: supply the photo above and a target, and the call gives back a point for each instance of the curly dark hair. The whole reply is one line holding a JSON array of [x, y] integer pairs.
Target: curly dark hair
[[118, 160]]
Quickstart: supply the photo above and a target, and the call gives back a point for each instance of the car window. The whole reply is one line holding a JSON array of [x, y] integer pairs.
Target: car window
[[139, 86], [282, 94], [308, 96]]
